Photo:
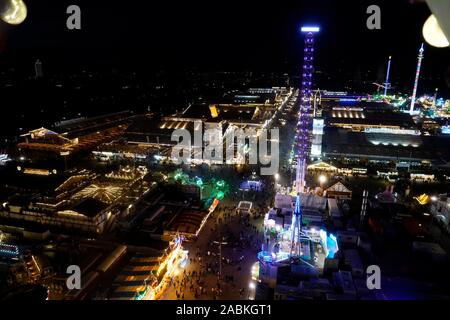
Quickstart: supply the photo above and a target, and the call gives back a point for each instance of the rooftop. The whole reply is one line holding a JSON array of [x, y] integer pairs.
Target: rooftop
[[90, 207]]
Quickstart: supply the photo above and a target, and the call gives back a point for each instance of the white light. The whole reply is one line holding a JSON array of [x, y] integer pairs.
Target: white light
[[433, 34], [322, 179], [310, 29], [277, 176], [15, 12], [252, 285], [433, 198]]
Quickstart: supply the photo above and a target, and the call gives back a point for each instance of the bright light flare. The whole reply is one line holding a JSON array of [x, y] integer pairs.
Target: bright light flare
[[14, 12], [322, 179], [433, 33]]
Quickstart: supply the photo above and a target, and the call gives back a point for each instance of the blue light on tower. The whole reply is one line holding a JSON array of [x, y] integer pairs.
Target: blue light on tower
[[304, 123], [296, 226], [310, 29]]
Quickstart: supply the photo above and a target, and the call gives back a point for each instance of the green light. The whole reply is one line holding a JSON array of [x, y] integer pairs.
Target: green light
[[142, 294], [220, 183], [220, 195]]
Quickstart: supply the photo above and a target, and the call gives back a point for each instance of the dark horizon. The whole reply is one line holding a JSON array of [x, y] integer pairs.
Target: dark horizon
[[227, 36]]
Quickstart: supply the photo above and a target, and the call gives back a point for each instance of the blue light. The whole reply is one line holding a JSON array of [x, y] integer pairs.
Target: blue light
[[298, 207], [332, 246]]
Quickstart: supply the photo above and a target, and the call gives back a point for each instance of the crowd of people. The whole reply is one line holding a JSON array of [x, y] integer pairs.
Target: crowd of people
[[216, 265]]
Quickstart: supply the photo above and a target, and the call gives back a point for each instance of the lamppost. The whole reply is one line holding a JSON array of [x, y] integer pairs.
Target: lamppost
[[220, 243]]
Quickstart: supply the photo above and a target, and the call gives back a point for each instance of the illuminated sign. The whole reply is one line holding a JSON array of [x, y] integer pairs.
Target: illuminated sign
[[445, 129], [213, 110], [393, 131], [40, 172]]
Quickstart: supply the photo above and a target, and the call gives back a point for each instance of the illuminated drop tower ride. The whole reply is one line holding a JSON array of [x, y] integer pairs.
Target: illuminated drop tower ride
[[416, 81], [304, 127], [387, 84], [297, 228], [304, 122]]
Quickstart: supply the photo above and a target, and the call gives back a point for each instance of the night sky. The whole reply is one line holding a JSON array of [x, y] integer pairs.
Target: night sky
[[237, 35]]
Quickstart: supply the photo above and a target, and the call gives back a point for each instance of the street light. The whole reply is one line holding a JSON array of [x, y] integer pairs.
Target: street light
[[220, 243]]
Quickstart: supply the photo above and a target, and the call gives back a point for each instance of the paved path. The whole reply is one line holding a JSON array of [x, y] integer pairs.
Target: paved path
[[244, 240]]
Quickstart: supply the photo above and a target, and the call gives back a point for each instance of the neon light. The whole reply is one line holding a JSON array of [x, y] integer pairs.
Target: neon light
[[199, 182], [220, 183], [332, 246], [220, 195], [9, 249], [445, 129]]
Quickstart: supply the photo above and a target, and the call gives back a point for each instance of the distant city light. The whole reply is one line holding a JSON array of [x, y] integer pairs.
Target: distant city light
[[310, 29]]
